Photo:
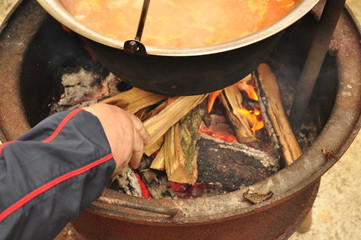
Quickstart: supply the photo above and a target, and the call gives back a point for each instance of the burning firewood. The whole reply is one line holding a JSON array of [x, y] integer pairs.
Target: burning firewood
[[289, 144], [231, 99], [134, 100]]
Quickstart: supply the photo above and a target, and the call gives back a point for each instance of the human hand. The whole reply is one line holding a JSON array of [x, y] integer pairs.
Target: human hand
[[125, 133]]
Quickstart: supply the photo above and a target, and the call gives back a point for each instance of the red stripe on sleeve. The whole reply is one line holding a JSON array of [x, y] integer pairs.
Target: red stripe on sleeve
[[4, 144], [50, 185], [62, 124]]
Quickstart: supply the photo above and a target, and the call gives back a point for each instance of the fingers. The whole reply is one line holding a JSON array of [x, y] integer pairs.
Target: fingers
[[138, 147], [126, 134], [135, 159], [141, 138], [138, 125]]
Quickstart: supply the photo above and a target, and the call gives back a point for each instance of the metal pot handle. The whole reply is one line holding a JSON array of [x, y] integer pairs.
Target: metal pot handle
[[171, 211], [135, 46]]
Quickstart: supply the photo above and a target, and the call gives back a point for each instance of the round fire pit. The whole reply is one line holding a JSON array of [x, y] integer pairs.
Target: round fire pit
[[28, 80]]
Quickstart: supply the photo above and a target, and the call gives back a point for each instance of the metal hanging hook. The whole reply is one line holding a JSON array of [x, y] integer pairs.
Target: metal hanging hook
[[135, 46]]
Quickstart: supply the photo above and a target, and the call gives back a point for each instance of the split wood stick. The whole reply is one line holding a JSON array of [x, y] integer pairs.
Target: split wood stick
[[158, 162], [159, 124], [134, 100], [172, 151], [231, 99], [268, 82], [155, 146], [180, 168], [148, 114]]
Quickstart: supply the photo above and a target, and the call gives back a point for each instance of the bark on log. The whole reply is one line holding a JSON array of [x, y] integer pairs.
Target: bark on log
[[234, 165], [179, 151]]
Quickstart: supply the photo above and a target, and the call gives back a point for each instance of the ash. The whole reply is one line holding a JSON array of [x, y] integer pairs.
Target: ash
[[127, 182], [83, 88]]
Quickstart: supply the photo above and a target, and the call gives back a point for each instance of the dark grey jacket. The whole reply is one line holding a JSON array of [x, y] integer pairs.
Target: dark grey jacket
[[51, 173]]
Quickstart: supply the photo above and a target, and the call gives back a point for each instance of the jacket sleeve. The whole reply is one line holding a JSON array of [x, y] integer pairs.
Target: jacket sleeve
[[51, 173]]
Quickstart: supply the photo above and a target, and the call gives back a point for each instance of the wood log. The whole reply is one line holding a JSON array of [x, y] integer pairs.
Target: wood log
[[159, 124], [268, 83], [233, 165], [176, 167], [231, 99], [134, 100], [180, 151]]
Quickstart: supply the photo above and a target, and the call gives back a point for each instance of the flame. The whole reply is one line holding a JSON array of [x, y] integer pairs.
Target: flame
[[253, 118], [249, 90], [212, 98]]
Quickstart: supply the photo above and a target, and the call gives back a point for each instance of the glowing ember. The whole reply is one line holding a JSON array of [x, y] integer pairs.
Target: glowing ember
[[188, 191], [227, 136]]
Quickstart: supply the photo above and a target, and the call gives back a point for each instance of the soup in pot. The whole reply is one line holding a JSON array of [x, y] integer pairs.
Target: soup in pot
[[179, 23]]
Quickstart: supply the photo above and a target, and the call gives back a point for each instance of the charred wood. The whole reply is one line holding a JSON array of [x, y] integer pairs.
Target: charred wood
[[233, 165]]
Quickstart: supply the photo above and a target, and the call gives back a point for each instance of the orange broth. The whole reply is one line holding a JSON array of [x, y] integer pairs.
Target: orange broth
[[179, 23]]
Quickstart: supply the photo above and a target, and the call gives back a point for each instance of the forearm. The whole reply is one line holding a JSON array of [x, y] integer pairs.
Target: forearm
[[52, 173]]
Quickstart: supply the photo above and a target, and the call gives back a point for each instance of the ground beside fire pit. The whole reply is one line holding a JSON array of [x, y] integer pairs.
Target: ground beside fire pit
[[336, 211]]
